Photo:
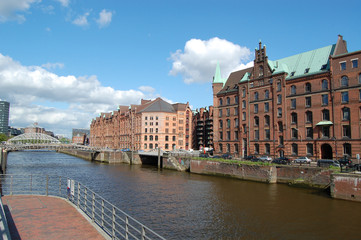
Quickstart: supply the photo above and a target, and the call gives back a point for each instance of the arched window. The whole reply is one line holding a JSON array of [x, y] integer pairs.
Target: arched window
[[256, 96], [266, 94], [261, 70], [167, 138], [326, 115], [344, 81], [346, 113], [236, 99], [151, 138], [243, 92], [294, 118], [220, 147], [228, 101], [256, 121], [145, 137], [294, 149], [324, 84], [280, 127], [220, 124], [293, 89], [228, 148], [267, 148], [166, 146], [150, 145], [308, 87], [256, 148], [236, 122], [243, 104], [220, 102], [267, 120], [308, 117], [156, 138]]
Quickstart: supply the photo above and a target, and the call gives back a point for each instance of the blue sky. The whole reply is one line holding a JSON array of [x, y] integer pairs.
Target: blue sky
[[62, 62]]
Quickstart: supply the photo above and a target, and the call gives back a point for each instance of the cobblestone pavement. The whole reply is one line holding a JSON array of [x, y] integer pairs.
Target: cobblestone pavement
[[41, 217]]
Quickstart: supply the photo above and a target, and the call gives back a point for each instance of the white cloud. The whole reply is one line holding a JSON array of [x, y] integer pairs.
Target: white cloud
[[77, 100], [9, 9], [81, 20], [51, 66], [105, 17], [148, 89], [197, 63], [64, 3]]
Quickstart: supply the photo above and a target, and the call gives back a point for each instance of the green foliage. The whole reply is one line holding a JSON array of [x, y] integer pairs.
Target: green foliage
[[64, 140], [3, 137]]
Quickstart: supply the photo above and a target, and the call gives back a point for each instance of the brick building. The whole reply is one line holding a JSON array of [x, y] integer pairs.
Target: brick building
[[80, 136], [147, 126], [203, 128], [308, 104]]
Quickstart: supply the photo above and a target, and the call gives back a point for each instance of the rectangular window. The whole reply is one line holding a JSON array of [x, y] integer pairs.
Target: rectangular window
[[279, 99], [244, 116], [279, 112], [344, 96], [354, 63], [309, 149], [267, 134], [220, 112], [309, 132], [294, 133], [228, 135], [343, 65], [308, 102], [324, 99], [256, 108], [235, 135], [228, 112], [326, 131], [266, 105], [293, 103], [236, 111], [256, 134], [279, 86], [221, 135], [346, 131]]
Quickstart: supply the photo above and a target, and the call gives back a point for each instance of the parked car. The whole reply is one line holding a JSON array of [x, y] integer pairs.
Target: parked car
[[327, 163], [250, 158], [226, 156], [345, 161], [203, 155], [265, 158], [302, 160], [282, 160]]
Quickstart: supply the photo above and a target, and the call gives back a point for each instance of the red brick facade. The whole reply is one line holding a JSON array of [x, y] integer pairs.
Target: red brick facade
[[147, 126], [203, 128], [270, 109]]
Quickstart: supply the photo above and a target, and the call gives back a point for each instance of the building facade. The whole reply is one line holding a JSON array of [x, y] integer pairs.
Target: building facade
[[80, 136], [147, 126], [203, 128], [4, 117], [308, 104]]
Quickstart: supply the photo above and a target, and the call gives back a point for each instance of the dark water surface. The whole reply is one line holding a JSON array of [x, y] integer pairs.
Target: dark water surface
[[188, 206]]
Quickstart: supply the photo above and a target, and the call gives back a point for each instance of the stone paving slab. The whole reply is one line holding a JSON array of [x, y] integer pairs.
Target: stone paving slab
[[42, 217]]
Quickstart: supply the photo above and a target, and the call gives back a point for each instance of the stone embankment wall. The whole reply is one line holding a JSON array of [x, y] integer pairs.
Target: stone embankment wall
[[246, 172], [104, 156], [346, 186], [295, 175]]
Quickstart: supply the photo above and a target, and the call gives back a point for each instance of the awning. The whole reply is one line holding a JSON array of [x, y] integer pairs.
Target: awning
[[324, 123]]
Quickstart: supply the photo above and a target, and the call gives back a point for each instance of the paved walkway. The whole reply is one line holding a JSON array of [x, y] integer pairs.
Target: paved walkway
[[41, 217]]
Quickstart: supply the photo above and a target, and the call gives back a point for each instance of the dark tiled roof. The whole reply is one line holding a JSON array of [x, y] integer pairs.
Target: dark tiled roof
[[233, 79], [157, 105]]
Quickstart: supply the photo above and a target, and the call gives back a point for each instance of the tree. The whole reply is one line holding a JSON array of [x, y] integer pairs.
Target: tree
[[3, 137]]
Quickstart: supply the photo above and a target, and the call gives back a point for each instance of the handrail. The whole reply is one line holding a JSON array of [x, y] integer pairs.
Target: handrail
[[113, 221]]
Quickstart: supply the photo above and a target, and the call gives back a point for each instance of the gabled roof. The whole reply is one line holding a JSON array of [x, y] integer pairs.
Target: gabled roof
[[233, 80], [303, 64], [157, 105]]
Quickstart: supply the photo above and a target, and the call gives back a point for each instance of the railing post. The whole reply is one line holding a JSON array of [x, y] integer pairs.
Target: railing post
[[126, 227], [78, 195], [85, 199], [113, 223], [31, 183], [102, 212], [59, 186], [93, 207], [143, 233], [11, 185], [47, 184]]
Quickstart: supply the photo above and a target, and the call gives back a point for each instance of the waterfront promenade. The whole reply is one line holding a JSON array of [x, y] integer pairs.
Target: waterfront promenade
[[43, 217]]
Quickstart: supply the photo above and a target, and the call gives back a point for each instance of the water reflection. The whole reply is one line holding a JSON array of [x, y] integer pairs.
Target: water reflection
[[189, 206]]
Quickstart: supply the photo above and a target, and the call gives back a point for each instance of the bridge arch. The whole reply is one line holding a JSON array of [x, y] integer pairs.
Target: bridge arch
[[33, 138]]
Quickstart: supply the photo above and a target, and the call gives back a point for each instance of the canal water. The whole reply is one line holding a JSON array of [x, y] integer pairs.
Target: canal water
[[188, 206]]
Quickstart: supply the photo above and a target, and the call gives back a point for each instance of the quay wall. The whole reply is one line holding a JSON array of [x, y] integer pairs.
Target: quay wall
[[241, 171], [104, 156], [346, 186]]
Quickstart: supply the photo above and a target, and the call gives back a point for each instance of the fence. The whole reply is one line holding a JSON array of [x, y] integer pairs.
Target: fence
[[113, 221]]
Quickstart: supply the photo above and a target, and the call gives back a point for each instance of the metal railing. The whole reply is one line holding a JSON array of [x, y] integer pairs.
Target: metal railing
[[113, 221]]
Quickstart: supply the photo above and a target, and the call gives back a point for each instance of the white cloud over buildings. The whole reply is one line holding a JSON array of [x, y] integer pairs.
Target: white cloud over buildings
[[74, 100], [197, 62]]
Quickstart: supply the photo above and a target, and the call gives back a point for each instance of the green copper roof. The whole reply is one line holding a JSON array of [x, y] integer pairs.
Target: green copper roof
[[303, 64], [245, 77], [217, 76]]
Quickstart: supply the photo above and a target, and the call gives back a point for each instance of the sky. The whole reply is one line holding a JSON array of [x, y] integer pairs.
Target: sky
[[63, 62]]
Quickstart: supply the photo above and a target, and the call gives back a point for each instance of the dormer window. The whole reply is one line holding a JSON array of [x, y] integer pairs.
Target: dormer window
[[307, 70], [292, 74]]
